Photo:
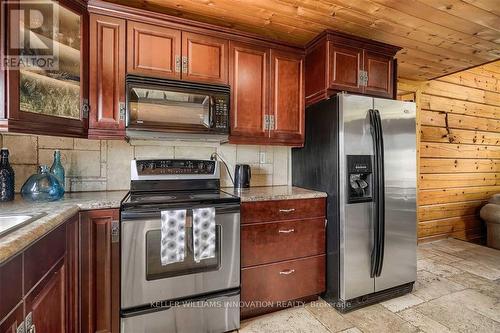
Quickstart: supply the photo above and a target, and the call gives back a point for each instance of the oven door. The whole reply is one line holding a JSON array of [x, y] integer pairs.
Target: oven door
[[143, 278]]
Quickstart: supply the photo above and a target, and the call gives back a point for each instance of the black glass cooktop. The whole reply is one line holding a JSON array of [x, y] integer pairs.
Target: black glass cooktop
[[169, 197]]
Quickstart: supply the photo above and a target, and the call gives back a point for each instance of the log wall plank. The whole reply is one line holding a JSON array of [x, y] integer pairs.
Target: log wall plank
[[459, 151]]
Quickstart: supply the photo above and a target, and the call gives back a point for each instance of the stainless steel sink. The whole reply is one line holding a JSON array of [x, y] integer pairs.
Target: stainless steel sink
[[11, 222]]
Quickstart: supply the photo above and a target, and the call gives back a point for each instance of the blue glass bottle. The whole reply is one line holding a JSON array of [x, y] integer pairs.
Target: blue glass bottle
[[57, 169], [42, 186], [6, 177]]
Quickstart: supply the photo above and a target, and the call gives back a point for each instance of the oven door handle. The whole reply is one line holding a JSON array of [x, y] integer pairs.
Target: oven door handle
[[140, 215]]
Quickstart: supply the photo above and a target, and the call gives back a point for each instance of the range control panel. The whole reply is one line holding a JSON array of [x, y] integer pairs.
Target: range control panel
[[175, 167]]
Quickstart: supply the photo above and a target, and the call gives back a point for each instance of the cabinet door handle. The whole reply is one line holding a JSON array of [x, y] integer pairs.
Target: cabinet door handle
[[184, 65], [122, 110], [20, 328], [290, 210], [115, 231], [177, 64], [287, 272], [289, 231]]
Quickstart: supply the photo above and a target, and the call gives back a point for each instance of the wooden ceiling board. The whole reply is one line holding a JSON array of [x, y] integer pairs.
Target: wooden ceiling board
[[438, 37]]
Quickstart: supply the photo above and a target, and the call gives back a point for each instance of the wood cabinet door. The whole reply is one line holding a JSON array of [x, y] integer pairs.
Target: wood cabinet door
[[344, 65], [100, 272], [13, 321], [153, 50], [50, 98], [249, 77], [107, 77], [46, 304], [287, 97], [204, 58], [380, 74]]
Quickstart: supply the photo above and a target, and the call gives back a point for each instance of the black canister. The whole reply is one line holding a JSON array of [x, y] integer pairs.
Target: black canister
[[6, 177], [242, 176]]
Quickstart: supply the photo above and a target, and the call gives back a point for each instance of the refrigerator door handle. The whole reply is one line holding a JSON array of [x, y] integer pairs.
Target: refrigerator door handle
[[381, 195], [375, 250]]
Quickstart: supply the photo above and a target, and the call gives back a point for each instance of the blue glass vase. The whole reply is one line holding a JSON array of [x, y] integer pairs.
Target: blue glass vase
[[42, 186], [6, 177], [57, 169]]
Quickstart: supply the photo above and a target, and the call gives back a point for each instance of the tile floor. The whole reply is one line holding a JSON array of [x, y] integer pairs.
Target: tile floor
[[457, 290]]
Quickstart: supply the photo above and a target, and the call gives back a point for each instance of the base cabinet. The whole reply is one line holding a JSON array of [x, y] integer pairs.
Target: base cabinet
[[282, 244], [37, 285], [100, 271]]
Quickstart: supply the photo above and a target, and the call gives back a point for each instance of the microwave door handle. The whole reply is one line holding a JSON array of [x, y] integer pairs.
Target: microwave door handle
[[211, 110]]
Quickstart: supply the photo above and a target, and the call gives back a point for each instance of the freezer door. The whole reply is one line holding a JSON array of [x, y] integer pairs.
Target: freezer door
[[399, 136], [356, 226]]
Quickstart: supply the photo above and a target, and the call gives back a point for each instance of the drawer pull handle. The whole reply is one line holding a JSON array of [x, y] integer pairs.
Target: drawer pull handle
[[287, 272], [289, 231], [287, 210]]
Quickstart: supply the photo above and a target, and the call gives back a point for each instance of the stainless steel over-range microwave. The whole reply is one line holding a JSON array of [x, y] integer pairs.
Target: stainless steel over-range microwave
[[160, 107]]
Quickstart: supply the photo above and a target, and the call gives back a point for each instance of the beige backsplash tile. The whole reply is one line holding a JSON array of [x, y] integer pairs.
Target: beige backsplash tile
[[120, 153], [22, 148], [96, 165], [55, 142]]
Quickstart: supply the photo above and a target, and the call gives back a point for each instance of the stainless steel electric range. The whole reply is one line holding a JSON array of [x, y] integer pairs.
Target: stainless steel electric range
[[189, 295]]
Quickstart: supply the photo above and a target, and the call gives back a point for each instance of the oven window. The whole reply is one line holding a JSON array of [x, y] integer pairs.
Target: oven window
[[155, 270], [150, 106]]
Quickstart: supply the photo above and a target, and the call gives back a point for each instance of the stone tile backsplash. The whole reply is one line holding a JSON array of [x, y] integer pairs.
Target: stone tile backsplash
[[98, 165]]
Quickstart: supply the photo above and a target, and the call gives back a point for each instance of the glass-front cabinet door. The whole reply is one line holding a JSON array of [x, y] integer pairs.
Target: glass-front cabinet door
[[48, 54]]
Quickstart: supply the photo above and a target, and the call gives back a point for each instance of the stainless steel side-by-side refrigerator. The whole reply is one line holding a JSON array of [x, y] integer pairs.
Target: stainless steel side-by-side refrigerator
[[362, 152]]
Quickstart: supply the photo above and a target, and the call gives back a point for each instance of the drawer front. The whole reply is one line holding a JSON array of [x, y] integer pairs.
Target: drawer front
[[283, 281], [270, 242], [41, 256], [280, 210]]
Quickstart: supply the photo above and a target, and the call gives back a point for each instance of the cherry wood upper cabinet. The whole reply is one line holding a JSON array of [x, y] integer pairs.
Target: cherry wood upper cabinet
[[352, 64], [287, 98], [100, 271], [379, 68], [153, 50], [204, 58], [344, 67], [249, 77], [107, 77], [50, 98]]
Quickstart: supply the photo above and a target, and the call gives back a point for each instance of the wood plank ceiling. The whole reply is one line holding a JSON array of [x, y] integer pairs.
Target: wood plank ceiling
[[438, 36]]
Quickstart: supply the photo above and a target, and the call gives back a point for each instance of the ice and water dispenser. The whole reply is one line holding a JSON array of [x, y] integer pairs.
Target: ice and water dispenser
[[359, 178]]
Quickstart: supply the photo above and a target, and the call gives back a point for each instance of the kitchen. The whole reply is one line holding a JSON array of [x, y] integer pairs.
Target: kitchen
[[320, 179]]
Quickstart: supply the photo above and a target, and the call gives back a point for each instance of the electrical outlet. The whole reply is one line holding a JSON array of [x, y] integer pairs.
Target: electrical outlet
[[262, 157]]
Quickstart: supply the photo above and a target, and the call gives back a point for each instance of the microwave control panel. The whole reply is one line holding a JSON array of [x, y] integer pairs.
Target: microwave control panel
[[221, 114]]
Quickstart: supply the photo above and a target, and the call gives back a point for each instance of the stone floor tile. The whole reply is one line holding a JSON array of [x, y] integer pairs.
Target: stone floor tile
[[328, 316], [295, 320], [476, 301], [429, 286], [477, 268], [376, 318], [437, 267], [485, 286], [457, 317], [423, 322], [402, 303]]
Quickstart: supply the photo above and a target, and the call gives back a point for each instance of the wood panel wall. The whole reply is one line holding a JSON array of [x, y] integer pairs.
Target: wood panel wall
[[459, 151]]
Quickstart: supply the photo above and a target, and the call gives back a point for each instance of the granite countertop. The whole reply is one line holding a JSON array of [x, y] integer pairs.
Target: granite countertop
[[57, 212], [265, 193]]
